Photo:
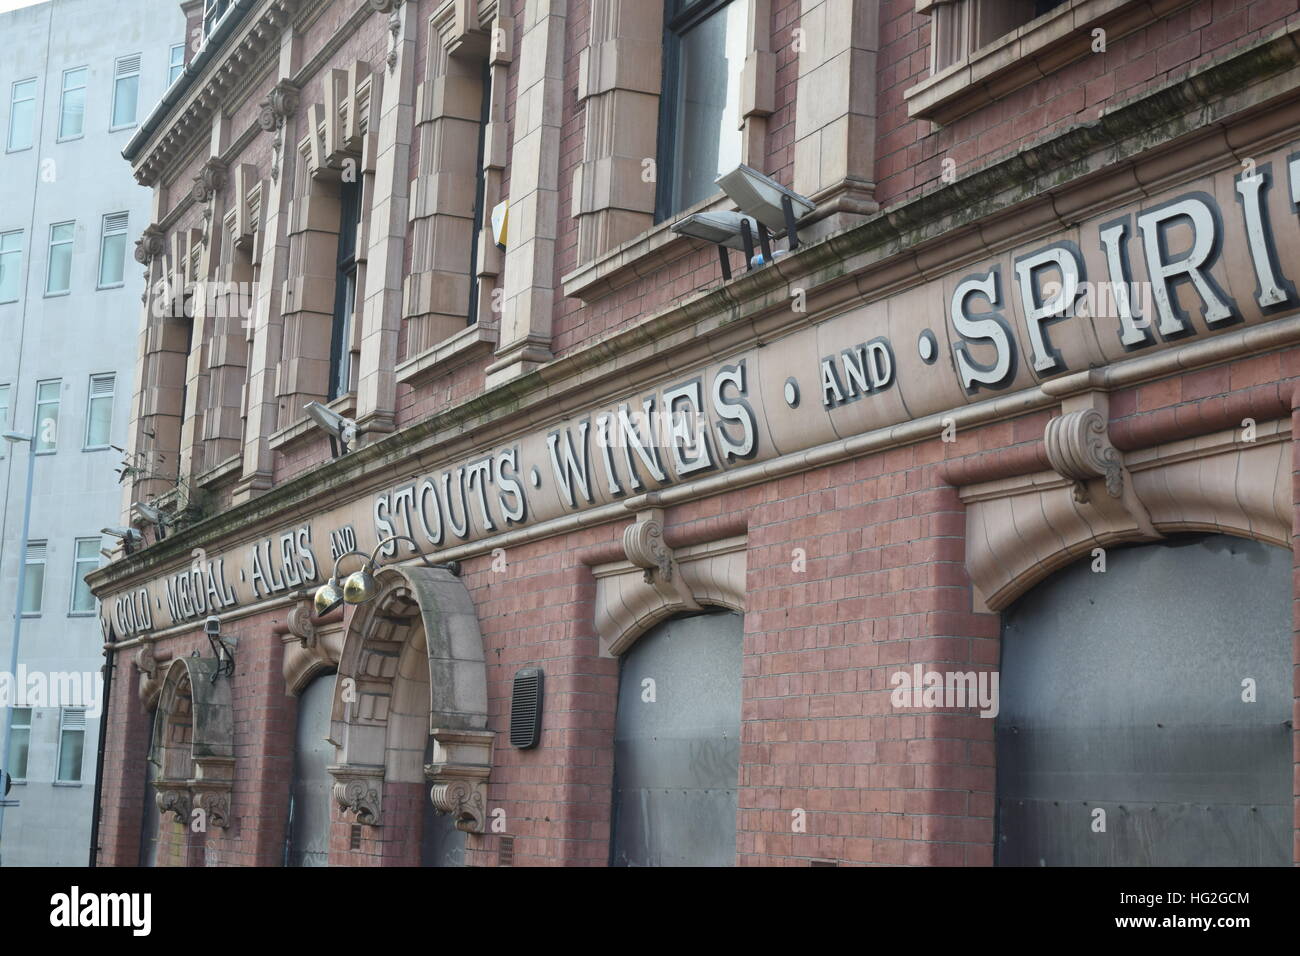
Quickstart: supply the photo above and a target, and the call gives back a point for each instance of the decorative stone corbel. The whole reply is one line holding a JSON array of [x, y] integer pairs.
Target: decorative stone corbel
[[151, 674], [643, 543], [210, 180], [279, 105], [358, 791], [309, 648], [173, 797], [1079, 448], [150, 244], [462, 761], [213, 798]]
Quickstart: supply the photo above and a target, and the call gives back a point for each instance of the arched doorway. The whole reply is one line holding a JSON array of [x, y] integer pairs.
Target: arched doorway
[[1145, 710], [311, 798], [408, 719], [677, 744]]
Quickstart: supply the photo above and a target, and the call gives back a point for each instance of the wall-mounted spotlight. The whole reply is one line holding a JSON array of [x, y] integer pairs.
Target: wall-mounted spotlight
[[359, 586], [129, 536], [774, 206], [222, 651], [342, 431], [726, 230], [152, 516]]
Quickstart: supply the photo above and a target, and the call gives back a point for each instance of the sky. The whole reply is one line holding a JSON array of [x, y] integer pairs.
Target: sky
[[7, 5]]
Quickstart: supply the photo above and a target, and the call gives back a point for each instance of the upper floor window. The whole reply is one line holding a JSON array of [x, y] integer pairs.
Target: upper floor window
[[72, 104], [34, 578], [175, 63], [99, 411], [22, 114], [960, 27], [47, 415], [84, 561], [11, 261], [72, 744], [213, 13], [112, 250], [58, 273], [699, 125], [345, 288], [20, 723], [126, 90]]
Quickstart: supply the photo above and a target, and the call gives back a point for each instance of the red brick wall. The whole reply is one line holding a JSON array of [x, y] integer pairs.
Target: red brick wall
[[909, 155]]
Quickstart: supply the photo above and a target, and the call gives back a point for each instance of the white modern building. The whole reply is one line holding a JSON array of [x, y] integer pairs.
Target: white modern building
[[76, 78]]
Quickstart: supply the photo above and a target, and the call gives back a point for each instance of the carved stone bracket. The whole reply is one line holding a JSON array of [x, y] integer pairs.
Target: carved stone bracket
[[152, 672], [459, 773], [210, 180], [385, 6], [150, 244], [358, 791], [173, 797], [213, 798], [279, 105], [309, 648], [643, 543], [1079, 448]]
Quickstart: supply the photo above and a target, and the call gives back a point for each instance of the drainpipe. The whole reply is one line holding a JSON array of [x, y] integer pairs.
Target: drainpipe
[[99, 758]]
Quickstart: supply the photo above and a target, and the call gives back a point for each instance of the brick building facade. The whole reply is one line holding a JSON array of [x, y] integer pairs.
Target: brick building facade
[[1045, 311]]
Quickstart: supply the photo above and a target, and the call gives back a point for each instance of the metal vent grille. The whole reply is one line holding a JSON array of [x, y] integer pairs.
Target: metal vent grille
[[116, 222], [526, 708], [35, 550], [101, 384], [507, 855], [128, 65], [70, 719]]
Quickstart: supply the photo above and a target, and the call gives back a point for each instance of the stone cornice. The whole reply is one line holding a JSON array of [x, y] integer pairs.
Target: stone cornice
[[1135, 146]]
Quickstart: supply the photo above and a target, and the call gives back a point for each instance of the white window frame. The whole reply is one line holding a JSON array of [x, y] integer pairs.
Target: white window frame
[[15, 726], [112, 224], [78, 573], [118, 76], [79, 726], [174, 68], [5, 391], [49, 261], [13, 103], [64, 90], [13, 252], [57, 402], [91, 398], [42, 559]]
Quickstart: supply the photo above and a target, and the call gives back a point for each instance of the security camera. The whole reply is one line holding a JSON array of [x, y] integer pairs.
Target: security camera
[[342, 431], [212, 626]]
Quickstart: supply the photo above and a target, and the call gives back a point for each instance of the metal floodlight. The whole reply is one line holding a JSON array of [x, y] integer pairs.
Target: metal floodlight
[[726, 230], [762, 197], [360, 586], [130, 537], [153, 516], [14, 437], [342, 431]]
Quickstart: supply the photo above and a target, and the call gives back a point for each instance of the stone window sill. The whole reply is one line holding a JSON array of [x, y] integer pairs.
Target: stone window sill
[[219, 473], [1027, 54], [451, 353], [290, 435], [639, 257]]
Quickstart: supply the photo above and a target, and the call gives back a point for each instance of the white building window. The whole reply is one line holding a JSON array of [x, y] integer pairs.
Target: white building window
[[34, 581], [72, 743], [22, 114], [11, 263], [699, 126], [20, 741], [126, 90], [47, 415], [84, 561], [112, 250], [72, 104], [99, 411], [176, 63], [58, 274]]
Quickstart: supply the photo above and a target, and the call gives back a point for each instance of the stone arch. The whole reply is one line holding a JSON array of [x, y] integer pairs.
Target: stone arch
[[655, 583], [1022, 529], [193, 743], [412, 668]]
